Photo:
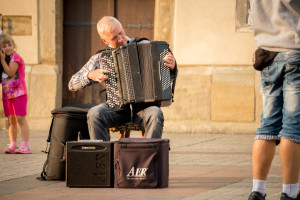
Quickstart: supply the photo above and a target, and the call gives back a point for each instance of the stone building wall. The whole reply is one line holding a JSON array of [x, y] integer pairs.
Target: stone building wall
[[42, 54], [216, 91]]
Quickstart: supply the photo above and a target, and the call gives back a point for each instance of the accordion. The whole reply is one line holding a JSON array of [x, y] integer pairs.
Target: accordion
[[137, 74]]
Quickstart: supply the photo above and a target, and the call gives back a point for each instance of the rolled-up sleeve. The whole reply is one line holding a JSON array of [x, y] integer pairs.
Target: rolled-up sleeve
[[80, 79]]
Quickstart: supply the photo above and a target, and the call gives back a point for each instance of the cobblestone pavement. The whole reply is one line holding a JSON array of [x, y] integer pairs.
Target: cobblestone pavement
[[202, 166]]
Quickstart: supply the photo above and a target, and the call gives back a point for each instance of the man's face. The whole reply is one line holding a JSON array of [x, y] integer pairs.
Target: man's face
[[115, 37]]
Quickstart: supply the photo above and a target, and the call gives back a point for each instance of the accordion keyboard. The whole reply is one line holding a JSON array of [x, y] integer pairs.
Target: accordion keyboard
[[164, 71], [113, 96]]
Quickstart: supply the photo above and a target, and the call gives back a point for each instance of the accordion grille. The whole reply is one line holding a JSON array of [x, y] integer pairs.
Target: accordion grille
[[111, 84], [125, 76], [164, 71]]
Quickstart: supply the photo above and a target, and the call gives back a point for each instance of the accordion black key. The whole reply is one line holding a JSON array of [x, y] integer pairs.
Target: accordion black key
[[137, 74]]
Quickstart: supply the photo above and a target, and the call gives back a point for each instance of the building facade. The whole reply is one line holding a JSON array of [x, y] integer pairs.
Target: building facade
[[217, 90]]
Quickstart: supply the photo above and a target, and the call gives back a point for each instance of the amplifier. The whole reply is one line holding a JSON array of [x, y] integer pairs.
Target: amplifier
[[89, 163]]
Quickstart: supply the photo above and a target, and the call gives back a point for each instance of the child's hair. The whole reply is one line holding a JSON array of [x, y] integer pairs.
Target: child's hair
[[6, 38]]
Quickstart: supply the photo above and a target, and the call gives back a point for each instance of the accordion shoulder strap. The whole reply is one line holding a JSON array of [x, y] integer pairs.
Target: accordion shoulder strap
[[139, 39], [134, 40], [105, 48]]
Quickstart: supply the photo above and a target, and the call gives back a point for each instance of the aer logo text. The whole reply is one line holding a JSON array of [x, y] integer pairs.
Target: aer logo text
[[138, 173]]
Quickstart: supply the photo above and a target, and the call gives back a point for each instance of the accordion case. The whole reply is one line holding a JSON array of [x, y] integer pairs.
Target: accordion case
[[141, 163], [67, 122], [137, 73]]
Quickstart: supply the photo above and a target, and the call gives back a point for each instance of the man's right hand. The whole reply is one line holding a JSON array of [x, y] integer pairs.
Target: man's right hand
[[98, 75]]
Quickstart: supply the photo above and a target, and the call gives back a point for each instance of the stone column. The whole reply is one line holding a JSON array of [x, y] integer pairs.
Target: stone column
[[164, 21]]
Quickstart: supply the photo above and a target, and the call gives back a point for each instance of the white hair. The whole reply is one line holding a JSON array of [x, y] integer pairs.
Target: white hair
[[107, 23]]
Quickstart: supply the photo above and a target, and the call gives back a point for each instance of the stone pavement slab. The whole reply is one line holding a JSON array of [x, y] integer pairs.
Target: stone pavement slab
[[202, 166]]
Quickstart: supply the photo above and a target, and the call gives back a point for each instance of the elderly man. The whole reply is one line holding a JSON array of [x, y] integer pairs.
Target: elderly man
[[102, 117]]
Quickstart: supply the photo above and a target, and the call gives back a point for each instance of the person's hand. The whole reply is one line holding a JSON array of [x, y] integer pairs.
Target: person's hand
[[98, 75], [169, 61], [2, 55]]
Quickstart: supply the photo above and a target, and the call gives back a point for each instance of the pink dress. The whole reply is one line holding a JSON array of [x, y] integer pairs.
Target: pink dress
[[15, 86]]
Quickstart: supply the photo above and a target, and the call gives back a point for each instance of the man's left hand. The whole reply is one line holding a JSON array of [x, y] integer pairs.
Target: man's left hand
[[169, 61]]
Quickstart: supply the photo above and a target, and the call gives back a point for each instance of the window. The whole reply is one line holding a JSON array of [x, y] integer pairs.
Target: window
[[16, 25]]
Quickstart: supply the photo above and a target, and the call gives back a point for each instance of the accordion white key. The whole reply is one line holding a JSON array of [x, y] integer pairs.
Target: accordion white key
[[137, 74]]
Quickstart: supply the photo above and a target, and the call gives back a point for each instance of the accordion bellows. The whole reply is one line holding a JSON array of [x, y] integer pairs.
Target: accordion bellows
[[137, 74]]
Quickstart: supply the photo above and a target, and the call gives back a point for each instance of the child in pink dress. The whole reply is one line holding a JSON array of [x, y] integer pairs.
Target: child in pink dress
[[14, 95]]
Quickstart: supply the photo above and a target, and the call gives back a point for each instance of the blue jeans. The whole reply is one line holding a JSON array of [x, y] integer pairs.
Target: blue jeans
[[102, 117], [280, 89]]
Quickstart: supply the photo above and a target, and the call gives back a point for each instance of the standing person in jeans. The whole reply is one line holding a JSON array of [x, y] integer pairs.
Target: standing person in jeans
[[276, 27], [102, 117]]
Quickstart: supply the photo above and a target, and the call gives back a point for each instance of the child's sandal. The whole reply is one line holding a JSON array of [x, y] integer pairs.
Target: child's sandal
[[9, 150], [23, 150]]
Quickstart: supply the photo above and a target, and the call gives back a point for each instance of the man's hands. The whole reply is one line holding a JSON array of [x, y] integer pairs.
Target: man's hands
[[169, 61], [98, 75]]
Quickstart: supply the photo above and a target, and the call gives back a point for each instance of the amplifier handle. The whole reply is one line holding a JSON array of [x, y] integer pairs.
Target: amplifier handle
[[138, 146]]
